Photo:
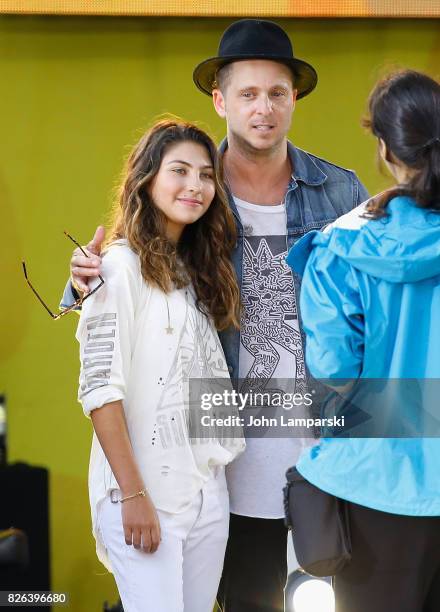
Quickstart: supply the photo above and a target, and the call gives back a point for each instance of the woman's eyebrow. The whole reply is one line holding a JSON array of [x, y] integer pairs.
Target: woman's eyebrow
[[180, 161]]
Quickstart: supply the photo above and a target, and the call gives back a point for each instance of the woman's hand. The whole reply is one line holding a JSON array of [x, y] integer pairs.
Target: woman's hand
[[141, 523], [139, 517]]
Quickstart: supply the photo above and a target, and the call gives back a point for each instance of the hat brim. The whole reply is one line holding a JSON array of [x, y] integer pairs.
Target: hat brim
[[305, 75]]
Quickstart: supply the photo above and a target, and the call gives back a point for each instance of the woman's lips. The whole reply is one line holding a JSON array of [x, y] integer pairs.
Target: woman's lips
[[190, 202]]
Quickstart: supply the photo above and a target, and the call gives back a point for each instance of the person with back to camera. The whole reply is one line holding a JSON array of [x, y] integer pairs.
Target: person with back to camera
[[370, 304], [149, 328], [277, 193]]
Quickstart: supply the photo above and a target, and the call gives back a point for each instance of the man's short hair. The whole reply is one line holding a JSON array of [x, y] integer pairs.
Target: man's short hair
[[223, 76]]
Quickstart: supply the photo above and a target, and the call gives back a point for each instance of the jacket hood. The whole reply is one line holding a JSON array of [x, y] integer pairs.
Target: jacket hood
[[402, 247]]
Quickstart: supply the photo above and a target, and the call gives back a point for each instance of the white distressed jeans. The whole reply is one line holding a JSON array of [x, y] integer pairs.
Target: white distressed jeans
[[184, 573]]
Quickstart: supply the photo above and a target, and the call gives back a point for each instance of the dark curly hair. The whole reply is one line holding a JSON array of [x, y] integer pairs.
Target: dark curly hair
[[404, 111]]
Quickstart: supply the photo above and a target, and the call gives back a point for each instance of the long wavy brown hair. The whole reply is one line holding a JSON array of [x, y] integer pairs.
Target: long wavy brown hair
[[202, 256]]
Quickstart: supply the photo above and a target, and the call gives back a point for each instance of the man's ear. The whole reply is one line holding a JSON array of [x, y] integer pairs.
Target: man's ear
[[219, 102], [294, 95]]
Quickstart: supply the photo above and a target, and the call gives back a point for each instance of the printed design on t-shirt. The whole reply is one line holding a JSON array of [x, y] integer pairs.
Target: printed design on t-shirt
[[199, 356], [98, 352], [269, 323]]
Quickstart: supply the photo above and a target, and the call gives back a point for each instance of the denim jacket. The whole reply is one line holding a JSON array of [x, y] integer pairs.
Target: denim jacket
[[318, 193]]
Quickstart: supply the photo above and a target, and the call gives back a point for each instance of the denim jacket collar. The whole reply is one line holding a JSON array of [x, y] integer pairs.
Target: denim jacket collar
[[304, 170]]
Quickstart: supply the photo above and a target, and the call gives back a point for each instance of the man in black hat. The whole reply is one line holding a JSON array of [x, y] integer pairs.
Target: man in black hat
[[277, 193]]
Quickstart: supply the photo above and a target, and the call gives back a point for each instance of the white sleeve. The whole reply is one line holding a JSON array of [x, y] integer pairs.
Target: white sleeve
[[106, 331]]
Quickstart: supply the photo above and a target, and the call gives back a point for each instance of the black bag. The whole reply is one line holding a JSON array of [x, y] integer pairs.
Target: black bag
[[319, 524]]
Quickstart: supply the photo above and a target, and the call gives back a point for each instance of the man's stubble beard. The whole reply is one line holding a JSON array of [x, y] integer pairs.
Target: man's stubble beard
[[248, 149]]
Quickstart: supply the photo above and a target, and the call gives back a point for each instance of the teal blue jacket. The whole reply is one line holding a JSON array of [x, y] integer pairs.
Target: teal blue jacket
[[370, 307]]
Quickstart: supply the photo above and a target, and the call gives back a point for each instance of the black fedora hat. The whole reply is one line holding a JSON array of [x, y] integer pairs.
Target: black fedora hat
[[255, 39]]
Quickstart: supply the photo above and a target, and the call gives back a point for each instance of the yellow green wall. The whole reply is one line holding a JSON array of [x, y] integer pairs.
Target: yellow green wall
[[74, 93]]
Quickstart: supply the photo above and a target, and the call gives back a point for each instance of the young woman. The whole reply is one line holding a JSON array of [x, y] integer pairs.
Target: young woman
[[158, 496], [370, 304]]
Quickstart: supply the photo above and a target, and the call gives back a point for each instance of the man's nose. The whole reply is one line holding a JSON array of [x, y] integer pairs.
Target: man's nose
[[264, 104]]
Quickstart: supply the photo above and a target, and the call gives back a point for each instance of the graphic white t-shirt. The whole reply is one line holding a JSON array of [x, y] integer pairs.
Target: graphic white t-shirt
[[270, 348]]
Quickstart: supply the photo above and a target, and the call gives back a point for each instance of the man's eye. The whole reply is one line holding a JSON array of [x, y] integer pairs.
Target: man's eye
[[247, 94], [278, 94]]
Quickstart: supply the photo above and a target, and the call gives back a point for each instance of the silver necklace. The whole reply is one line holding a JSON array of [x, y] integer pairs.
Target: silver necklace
[[168, 329]]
